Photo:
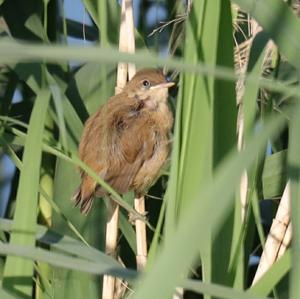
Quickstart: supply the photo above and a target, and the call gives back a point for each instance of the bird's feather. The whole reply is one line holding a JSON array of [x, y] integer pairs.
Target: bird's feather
[[126, 142]]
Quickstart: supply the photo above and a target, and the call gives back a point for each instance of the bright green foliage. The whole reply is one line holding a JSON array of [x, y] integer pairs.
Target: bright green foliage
[[197, 229], [206, 121], [18, 272]]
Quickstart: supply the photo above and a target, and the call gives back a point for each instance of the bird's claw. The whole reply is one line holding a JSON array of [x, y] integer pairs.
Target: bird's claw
[[132, 218]]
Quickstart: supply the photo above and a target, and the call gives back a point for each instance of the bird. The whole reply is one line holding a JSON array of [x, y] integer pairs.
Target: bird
[[127, 141]]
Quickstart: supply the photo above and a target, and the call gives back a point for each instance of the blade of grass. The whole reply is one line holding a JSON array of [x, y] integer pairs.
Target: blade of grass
[[27, 195], [61, 260], [216, 290], [274, 175], [171, 193], [65, 244], [57, 96], [13, 51], [128, 231], [224, 140], [154, 248]]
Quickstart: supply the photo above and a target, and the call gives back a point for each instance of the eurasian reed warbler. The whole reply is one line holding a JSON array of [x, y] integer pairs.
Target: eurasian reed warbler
[[127, 141]]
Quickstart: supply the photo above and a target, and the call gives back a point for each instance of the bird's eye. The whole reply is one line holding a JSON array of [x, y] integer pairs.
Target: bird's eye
[[146, 83]]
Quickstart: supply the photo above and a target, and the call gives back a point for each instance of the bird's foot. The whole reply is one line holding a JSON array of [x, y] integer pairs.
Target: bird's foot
[[133, 217]]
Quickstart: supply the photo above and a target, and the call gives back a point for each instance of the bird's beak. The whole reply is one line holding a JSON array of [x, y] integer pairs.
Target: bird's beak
[[163, 85]]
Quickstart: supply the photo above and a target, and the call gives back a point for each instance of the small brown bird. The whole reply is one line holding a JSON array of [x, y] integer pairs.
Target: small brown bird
[[127, 140]]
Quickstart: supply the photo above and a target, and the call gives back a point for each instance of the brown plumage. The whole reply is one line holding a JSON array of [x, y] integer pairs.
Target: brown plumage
[[127, 140]]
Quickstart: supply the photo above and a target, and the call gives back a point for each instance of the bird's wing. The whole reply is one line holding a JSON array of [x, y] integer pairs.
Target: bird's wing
[[131, 143], [116, 141], [89, 152]]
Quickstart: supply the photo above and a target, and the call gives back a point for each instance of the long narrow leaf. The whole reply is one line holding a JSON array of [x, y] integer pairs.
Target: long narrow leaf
[[24, 218]]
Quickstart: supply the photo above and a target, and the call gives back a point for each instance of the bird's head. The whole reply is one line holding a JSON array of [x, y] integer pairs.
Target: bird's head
[[149, 85]]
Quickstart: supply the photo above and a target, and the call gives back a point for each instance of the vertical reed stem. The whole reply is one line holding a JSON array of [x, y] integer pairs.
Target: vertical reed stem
[[141, 238], [274, 244]]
